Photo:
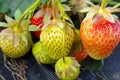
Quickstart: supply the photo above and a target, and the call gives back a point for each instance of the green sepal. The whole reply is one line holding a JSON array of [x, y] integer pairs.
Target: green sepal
[[33, 28], [9, 19], [16, 40], [2, 24], [109, 17], [92, 64], [6, 36], [87, 9], [25, 39], [17, 14], [90, 15], [46, 18], [67, 8], [89, 3]]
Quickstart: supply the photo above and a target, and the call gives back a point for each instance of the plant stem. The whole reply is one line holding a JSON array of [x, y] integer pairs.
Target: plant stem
[[110, 3], [29, 10], [103, 5], [54, 10]]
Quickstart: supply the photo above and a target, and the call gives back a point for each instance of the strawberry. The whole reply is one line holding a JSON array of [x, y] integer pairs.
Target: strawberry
[[78, 51], [100, 31], [41, 55], [38, 18], [15, 41], [57, 39], [67, 68], [37, 22]]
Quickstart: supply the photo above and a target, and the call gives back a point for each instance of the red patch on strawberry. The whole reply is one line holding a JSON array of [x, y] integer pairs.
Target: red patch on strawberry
[[38, 22], [80, 55]]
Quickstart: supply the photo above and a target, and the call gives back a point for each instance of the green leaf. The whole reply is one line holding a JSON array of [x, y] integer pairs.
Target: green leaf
[[9, 19], [92, 64], [43, 1], [46, 18], [2, 24], [33, 28], [4, 6], [10, 6], [17, 14]]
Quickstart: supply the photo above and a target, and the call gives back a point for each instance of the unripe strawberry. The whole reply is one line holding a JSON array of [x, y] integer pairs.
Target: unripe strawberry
[[57, 39], [41, 54], [12, 43], [67, 68], [15, 40]]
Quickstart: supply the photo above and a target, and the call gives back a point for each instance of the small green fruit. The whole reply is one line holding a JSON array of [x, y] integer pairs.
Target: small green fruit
[[67, 68], [40, 54]]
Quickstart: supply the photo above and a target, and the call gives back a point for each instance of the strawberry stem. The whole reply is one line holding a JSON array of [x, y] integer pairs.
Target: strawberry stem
[[103, 5], [30, 10], [54, 10], [110, 3]]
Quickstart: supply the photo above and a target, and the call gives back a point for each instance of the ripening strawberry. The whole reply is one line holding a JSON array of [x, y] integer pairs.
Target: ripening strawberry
[[78, 51], [15, 41], [57, 39], [100, 31]]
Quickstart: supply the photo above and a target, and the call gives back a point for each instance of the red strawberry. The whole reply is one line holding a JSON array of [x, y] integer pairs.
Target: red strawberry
[[100, 31], [78, 51], [38, 22], [80, 55]]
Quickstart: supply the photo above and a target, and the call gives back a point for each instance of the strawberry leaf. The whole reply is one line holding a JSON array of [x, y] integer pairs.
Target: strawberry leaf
[[33, 28], [9, 19], [92, 64], [17, 14], [43, 1], [2, 24]]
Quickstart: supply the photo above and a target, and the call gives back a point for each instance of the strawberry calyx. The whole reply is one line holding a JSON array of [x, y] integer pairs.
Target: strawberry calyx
[[96, 12]]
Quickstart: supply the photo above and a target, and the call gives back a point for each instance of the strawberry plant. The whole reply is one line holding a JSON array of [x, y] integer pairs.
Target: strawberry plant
[[59, 42]]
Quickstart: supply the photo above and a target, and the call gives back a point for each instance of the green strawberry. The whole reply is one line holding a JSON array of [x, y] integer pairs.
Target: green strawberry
[[40, 53], [15, 41], [67, 68], [57, 39]]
